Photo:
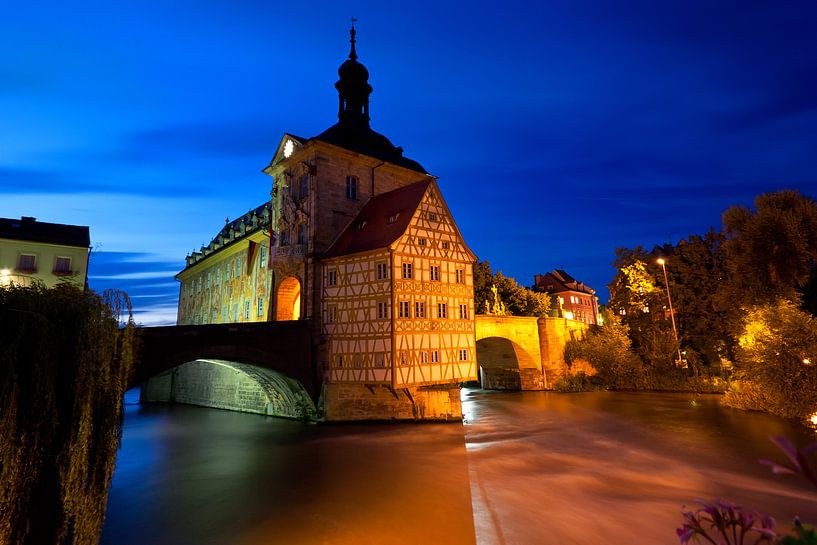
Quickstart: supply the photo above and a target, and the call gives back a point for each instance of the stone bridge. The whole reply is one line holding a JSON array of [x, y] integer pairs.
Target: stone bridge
[[264, 367], [523, 353]]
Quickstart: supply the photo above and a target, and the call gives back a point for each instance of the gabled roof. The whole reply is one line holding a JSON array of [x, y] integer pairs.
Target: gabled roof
[[383, 219], [559, 281], [27, 228]]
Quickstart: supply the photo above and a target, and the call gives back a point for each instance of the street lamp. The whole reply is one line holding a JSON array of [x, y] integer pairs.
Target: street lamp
[[663, 263]]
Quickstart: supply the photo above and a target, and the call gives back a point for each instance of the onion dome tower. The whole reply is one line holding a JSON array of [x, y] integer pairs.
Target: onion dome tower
[[353, 89]]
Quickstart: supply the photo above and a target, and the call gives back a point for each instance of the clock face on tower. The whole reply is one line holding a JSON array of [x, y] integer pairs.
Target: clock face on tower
[[289, 147]]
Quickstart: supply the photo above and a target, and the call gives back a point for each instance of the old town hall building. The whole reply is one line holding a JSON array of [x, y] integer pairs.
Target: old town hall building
[[358, 240]]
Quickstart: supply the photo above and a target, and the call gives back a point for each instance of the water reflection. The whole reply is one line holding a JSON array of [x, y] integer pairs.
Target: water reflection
[[616, 467], [204, 476]]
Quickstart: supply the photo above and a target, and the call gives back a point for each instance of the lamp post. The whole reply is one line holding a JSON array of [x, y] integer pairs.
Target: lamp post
[[662, 262]]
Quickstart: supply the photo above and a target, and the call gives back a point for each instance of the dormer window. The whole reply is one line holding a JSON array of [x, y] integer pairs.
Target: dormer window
[[394, 217], [432, 216], [360, 225]]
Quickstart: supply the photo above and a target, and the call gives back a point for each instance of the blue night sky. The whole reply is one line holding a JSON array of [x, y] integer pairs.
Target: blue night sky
[[559, 131]]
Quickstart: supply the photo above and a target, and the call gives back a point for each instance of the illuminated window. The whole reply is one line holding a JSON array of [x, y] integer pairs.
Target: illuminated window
[[238, 267], [463, 312], [432, 216], [382, 271], [421, 242], [246, 310], [351, 188], [408, 270], [463, 355], [460, 276], [382, 310], [260, 305], [445, 245], [442, 310], [435, 356], [404, 310], [434, 272], [27, 263], [262, 262], [332, 278], [62, 265], [419, 309]]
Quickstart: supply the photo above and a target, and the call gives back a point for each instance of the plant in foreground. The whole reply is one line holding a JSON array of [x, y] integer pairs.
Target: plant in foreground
[[725, 523]]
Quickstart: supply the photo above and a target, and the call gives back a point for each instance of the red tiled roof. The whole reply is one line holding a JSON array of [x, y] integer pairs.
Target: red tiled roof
[[371, 229]]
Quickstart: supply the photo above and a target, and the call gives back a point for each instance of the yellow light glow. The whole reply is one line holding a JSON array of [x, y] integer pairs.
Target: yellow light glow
[[813, 419], [807, 361], [568, 315], [660, 261]]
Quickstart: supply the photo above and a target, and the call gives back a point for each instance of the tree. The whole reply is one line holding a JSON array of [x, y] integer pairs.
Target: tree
[[771, 251], [519, 300]]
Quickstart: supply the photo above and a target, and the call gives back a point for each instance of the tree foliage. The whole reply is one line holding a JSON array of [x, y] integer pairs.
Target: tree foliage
[[519, 300], [772, 251], [64, 365]]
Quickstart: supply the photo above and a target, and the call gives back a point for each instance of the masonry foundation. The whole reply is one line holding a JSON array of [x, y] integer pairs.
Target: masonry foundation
[[349, 402]]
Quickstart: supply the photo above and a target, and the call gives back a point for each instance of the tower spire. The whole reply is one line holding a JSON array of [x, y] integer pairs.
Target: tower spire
[[352, 32]]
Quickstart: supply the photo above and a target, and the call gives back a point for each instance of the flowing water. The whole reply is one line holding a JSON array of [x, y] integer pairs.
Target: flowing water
[[525, 468]]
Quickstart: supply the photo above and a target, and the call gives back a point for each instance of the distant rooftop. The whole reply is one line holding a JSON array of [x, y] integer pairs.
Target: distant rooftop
[[28, 228]]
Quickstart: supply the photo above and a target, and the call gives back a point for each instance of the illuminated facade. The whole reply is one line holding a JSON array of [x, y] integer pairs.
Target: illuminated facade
[[572, 299], [398, 294], [50, 253], [317, 251]]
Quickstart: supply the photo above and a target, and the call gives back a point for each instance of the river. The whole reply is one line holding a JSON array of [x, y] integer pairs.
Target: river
[[524, 468]]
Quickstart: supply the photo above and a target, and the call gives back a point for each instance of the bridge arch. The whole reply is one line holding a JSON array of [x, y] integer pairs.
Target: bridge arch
[[233, 386], [509, 353], [288, 299]]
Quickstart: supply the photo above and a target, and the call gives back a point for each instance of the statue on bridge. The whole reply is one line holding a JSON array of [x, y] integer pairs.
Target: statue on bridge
[[498, 307]]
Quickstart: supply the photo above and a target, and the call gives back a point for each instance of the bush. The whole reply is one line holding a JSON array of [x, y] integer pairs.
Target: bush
[[64, 366], [579, 382], [775, 362], [608, 350]]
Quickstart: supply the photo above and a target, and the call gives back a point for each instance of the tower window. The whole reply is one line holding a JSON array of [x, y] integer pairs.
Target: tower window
[[351, 187]]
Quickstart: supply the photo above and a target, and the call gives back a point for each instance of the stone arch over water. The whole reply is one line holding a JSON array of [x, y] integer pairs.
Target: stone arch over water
[[232, 386], [504, 363], [288, 299]]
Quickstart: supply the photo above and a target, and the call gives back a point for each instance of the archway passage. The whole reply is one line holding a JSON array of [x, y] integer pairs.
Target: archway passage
[[505, 365], [233, 386], [288, 305]]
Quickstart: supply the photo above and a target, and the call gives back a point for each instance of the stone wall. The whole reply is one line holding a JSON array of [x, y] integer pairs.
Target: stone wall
[[231, 386], [553, 335], [348, 402]]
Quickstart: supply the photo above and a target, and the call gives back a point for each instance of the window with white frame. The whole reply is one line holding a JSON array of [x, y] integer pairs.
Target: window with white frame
[[463, 312], [262, 261], [260, 305], [434, 273], [419, 309], [246, 310], [27, 263], [404, 309], [442, 310], [423, 357], [62, 265], [435, 356], [460, 276], [408, 270], [332, 277]]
